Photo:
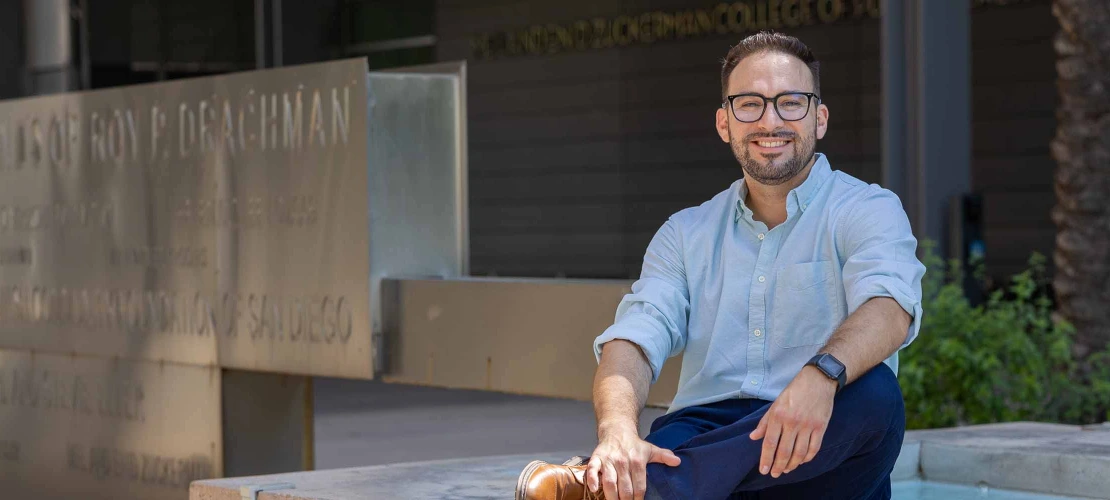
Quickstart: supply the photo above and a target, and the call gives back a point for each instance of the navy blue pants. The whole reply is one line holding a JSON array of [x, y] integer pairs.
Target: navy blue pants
[[720, 461]]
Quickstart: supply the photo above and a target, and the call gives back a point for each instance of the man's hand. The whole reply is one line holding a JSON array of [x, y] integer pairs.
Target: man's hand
[[795, 423], [621, 459]]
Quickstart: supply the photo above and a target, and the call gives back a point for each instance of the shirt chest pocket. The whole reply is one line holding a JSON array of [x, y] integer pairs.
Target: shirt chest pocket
[[806, 305]]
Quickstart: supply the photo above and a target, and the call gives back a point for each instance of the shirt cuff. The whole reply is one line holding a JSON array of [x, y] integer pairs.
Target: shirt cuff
[[640, 328], [900, 292]]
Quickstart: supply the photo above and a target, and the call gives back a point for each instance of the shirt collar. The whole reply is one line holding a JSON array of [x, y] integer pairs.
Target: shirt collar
[[800, 197]]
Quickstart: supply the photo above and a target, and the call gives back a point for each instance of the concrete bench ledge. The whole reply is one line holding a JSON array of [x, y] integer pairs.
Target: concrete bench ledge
[[1042, 458], [462, 479], [1045, 458]]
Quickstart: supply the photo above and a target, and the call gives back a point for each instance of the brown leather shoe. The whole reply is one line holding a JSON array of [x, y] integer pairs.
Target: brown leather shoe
[[543, 481]]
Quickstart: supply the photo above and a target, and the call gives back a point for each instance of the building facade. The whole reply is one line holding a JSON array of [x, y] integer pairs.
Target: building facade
[[590, 122]]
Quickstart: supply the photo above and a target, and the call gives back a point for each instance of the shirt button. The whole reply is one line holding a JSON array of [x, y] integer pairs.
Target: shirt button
[[758, 332], [753, 382], [762, 279], [803, 206], [760, 236]]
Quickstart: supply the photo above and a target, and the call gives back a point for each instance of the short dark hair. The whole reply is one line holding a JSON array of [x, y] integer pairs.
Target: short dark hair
[[769, 41]]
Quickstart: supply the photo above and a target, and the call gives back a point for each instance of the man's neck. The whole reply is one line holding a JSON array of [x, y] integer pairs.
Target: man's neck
[[768, 203]]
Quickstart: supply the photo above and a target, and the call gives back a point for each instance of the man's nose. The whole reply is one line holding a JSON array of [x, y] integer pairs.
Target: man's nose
[[770, 120]]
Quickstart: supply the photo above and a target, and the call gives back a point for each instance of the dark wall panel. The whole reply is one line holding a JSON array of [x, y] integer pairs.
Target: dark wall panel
[[311, 30], [577, 158], [115, 24], [206, 31], [1013, 108], [11, 48]]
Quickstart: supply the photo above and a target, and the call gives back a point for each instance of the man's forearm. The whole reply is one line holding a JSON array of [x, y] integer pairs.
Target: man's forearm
[[870, 334], [620, 387]]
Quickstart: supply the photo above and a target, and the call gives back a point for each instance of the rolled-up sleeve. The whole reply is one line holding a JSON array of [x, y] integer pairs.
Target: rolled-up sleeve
[[881, 255], [654, 316]]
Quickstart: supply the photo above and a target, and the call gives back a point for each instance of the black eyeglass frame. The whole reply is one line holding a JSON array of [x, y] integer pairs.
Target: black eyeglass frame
[[774, 100]]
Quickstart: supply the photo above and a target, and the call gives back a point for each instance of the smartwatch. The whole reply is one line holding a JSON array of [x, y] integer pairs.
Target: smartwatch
[[831, 367]]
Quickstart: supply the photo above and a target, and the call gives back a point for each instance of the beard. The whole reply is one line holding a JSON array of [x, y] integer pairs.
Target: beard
[[774, 169]]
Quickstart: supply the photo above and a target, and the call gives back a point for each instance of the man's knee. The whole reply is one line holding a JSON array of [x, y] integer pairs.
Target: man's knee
[[878, 392]]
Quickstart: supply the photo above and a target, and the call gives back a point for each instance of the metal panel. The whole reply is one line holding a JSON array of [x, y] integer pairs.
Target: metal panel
[[215, 220], [417, 184], [524, 336], [457, 70], [90, 428], [936, 103]]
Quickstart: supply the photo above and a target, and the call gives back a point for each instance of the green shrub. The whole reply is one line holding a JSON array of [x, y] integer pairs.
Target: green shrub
[[1006, 359]]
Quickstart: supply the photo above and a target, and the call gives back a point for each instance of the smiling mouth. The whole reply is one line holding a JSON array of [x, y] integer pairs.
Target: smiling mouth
[[770, 144]]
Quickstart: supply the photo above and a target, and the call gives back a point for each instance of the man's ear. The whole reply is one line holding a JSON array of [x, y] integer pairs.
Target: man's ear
[[722, 124], [822, 120]]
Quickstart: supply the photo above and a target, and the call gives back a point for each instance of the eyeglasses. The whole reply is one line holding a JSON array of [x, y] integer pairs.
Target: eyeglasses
[[791, 106]]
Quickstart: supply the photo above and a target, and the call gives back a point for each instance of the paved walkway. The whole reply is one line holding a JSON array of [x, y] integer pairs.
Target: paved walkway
[[361, 423]]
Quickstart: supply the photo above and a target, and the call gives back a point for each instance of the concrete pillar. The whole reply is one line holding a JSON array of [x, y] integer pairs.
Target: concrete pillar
[[268, 12], [926, 110], [49, 54], [259, 34], [275, 35], [893, 48], [267, 423]]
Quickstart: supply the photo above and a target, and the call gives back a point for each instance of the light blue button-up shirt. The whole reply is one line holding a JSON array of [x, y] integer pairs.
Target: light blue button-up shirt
[[747, 307]]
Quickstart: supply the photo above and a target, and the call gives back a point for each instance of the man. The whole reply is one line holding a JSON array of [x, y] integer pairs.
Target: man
[[785, 293]]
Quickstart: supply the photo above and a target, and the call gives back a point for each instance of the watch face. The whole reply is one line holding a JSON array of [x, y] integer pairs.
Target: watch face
[[830, 365]]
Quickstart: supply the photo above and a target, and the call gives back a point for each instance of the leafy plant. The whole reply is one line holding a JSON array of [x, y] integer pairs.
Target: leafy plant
[[1006, 359]]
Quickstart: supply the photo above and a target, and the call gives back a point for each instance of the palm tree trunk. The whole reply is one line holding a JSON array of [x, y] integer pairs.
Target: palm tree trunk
[[1082, 152]]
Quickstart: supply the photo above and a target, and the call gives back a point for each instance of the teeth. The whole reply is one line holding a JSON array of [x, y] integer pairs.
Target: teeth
[[769, 144]]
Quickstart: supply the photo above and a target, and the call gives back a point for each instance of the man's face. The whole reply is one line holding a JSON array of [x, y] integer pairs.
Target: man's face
[[772, 150]]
